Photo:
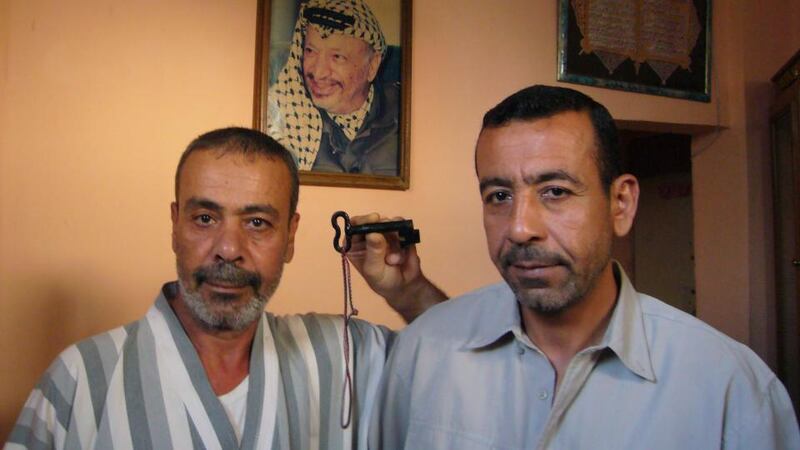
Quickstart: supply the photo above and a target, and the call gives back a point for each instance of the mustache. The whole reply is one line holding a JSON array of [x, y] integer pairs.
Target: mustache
[[529, 253], [227, 273], [313, 77]]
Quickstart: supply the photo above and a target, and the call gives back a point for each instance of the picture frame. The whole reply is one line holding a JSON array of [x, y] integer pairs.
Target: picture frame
[[378, 156], [640, 49]]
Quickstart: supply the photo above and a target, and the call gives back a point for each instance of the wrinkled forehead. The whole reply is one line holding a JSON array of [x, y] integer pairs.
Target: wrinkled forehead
[[231, 166], [564, 141], [346, 17]]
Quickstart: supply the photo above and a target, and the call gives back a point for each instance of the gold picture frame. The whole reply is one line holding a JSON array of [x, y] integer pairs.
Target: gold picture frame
[[277, 23]]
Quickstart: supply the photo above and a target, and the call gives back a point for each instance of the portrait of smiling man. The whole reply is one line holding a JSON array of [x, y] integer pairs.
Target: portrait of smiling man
[[328, 105]]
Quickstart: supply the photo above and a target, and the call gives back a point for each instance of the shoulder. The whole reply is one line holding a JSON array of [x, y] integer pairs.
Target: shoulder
[[689, 352], [89, 362], [390, 89], [100, 350], [389, 92], [316, 320], [327, 329], [459, 317], [669, 325], [673, 333]]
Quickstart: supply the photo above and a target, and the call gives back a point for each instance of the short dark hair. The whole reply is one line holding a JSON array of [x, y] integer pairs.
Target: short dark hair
[[536, 102], [246, 142]]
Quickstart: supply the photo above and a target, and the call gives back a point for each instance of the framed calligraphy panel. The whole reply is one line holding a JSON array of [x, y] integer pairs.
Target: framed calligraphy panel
[[659, 47]]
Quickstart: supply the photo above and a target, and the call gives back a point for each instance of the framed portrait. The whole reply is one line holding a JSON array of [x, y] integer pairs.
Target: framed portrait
[[660, 47], [333, 85]]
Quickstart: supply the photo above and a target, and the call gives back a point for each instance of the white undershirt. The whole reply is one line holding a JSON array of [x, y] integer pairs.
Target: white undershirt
[[235, 405]]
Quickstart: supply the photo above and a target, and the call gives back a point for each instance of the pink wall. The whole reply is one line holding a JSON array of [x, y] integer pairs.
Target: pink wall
[[732, 176], [97, 100]]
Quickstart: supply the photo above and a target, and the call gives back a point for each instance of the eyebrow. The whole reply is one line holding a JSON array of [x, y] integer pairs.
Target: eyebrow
[[543, 177], [556, 175], [494, 181], [260, 208], [204, 203]]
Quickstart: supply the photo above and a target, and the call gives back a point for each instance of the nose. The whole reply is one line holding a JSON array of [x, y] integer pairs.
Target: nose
[[317, 66], [229, 246], [527, 221]]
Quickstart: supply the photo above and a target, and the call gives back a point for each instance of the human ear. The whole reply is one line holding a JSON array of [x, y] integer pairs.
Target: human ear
[[173, 207], [374, 65], [293, 223], [624, 195]]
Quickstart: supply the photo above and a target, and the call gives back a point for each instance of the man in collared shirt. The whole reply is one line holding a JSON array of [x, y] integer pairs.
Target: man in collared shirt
[[565, 354]]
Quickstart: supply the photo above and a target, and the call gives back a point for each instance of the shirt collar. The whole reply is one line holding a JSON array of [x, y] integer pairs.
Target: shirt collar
[[500, 316], [625, 335]]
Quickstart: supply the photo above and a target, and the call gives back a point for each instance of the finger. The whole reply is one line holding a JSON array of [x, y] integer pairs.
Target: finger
[[396, 258], [366, 218], [374, 256], [358, 244], [395, 253], [368, 252], [410, 266], [376, 244]]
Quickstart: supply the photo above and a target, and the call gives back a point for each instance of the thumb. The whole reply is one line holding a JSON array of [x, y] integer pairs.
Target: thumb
[[374, 259]]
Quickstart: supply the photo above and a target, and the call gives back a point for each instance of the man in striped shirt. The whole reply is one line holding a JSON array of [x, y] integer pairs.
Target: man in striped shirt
[[207, 367]]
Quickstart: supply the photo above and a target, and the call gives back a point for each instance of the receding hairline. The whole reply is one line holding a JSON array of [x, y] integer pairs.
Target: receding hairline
[[540, 101], [585, 112], [227, 150]]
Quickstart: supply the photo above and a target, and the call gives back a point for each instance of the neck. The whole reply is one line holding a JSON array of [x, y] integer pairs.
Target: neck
[[364, 97], [561, 336], [225, 354]]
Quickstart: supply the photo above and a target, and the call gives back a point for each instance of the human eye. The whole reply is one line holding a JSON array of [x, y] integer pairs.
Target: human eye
[[338, 57], [555, 192], [496, 197], [258, 223], [203, 220]]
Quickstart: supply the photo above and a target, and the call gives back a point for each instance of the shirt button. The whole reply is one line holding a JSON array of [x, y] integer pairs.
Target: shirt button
[[520, 350], [543, 395]]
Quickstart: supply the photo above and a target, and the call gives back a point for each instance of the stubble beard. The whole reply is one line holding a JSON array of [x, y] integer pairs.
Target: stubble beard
[[219, 313], [546, 299]]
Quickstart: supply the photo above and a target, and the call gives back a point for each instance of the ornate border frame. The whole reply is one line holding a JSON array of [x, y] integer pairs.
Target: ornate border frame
[[569, 54]]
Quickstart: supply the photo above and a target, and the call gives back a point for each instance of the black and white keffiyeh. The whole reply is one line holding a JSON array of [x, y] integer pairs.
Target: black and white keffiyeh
[[292, 117], [351, 123]]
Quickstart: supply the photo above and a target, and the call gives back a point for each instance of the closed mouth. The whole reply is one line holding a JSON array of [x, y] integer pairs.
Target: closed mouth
[[221, 285], [531, 265]]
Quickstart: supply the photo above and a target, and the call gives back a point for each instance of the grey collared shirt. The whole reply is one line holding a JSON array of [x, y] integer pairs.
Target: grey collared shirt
[[465, 376]]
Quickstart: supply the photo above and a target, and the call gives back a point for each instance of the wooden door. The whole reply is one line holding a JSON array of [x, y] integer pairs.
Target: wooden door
[[785, 130]]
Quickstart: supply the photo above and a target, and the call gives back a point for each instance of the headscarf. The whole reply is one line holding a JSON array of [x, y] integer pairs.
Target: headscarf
[[292, 117]]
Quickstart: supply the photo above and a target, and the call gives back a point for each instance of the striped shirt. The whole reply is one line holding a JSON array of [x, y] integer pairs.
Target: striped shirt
[[143, 386]]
